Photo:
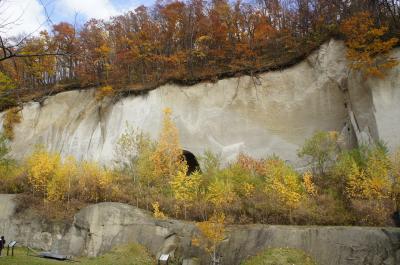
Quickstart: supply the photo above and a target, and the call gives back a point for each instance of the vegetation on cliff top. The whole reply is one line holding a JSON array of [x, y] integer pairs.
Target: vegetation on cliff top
[[190, 41]]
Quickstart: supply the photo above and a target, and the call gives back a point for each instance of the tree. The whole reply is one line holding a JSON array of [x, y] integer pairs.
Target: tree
[[282, 185], [42, 167], [167, 158], [59, 188], [367, 49], [221, 193], [321, 149], [185, 188], [94, 183], [157, 213], [66, 42], [309, 184], [212, 233]]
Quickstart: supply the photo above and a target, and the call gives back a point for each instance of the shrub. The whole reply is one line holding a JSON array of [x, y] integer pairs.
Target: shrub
[[366, 183], [94, 183], [41, 168], [11, 117], [321, 150], [212, 233], [186, 189], [283, 186]]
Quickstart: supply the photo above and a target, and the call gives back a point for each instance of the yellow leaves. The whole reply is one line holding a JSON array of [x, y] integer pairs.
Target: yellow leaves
[[11, 118], [103, 92], [309, 184], [186, 188], [157, 213], [248, 189], [212, 233], [41, 169], [95, 182], [60, 185], [372, 182], [364, 42], [103, 50], [221, 193], [355, 178], [282, 184], [167, 157]]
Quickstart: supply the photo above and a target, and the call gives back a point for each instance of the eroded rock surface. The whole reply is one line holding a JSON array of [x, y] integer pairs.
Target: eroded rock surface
[[99, 227], [272, 113]]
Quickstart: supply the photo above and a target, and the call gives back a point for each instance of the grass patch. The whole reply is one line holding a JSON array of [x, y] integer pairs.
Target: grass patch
[[132, 254], [280, 256]]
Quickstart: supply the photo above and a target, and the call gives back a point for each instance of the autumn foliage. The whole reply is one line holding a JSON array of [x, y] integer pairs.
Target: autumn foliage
[[194, 40], [367, 48], [358, 186]]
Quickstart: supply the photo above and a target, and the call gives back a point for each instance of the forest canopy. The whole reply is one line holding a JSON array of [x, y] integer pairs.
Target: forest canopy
[[183, 42]]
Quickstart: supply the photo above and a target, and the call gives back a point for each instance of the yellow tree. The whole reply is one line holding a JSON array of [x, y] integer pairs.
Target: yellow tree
[[94, 183], [282, 185], [42, 167], [167, 157], [309, 184], [367, 185], [365, 42], [378, 183], [372, 182], [221, 193], [186, 188], [212, 233], [157, 213], [59, 187]]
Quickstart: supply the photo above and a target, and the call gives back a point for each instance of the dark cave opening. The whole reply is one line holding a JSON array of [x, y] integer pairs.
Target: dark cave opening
[[193, 164]]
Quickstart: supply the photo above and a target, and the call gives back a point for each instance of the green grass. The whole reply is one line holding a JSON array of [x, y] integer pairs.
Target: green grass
[[132, 254], [280, 256]]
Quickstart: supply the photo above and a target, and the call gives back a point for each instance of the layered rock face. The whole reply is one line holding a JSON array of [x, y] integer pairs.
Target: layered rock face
[[272, 113], [98, 228]]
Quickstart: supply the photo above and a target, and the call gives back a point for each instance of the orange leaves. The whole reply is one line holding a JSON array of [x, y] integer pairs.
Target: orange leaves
[[367, 49]]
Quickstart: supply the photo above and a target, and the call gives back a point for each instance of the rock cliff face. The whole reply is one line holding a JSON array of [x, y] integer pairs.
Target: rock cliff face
[[98, 228], [272, 113]]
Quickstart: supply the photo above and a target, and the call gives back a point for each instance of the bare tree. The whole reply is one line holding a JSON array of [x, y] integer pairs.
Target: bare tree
[[13, 48]]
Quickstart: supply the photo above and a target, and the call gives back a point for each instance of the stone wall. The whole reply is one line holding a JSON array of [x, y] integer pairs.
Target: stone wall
[[99, 227]]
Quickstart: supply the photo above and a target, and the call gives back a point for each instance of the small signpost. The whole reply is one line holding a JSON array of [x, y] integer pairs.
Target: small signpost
[[11, 245], [163, 260]]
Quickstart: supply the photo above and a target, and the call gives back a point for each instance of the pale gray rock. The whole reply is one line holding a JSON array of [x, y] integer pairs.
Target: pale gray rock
[[99, 227], [272, 113]]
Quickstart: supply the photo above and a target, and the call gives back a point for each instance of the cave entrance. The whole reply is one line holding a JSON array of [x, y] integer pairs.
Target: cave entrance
[[191, 161]]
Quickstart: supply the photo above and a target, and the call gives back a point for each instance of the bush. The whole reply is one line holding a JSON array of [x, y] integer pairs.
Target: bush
[[321, 150], [280, 256], [11, 117]]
